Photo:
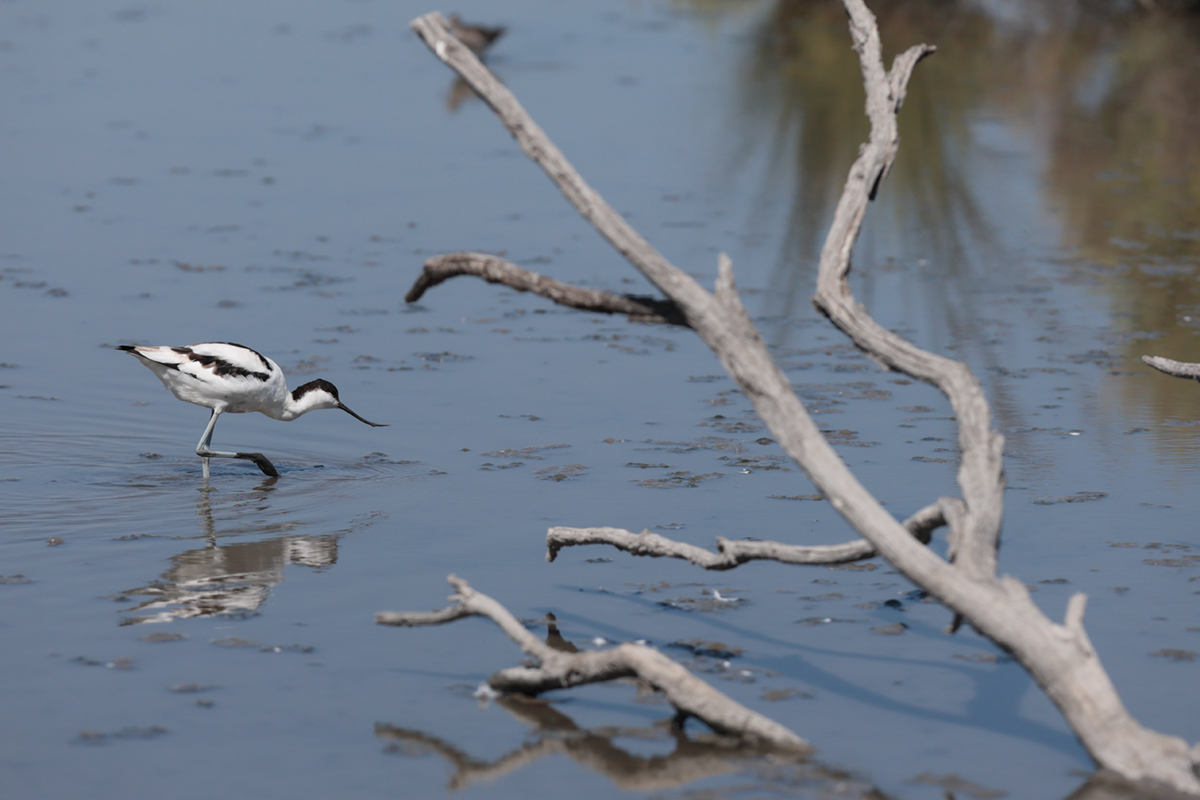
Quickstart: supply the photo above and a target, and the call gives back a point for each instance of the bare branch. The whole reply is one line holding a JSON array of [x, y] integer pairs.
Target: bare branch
[[497, 270], [732, 552], [1059, 657], [981, 474], [560, 670], [418, 619], [1180, 369]]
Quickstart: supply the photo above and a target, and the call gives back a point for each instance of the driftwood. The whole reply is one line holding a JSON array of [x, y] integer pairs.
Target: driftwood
[[558, 669], [731, 552], [1059, 657], [1180, 369]]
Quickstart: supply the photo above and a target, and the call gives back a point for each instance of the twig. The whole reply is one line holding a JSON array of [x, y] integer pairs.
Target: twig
[[560, 670], [496, 270]]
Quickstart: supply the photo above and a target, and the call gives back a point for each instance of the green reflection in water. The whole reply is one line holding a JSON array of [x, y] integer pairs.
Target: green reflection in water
[[1121, 126], [1125, 170], [1104, 183], [802, 86]]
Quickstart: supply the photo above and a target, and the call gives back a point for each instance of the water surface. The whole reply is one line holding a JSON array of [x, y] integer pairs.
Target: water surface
[[275, 173]]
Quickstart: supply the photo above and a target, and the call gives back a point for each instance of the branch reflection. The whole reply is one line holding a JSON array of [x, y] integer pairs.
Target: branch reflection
[[693, 758]]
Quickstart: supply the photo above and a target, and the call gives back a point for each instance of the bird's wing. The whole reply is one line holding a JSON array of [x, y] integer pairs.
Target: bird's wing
[[209, 360], [226, 360], [233, 359]]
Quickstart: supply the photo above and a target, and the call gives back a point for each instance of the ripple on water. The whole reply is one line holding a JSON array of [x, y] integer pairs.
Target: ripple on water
[[177, 546], [57, 486]]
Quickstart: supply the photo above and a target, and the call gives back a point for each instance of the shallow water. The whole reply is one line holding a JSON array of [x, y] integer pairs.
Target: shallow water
[[274, 174]]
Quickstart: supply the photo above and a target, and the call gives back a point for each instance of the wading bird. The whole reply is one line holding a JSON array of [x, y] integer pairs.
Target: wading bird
[[477, 38], [231, 378]]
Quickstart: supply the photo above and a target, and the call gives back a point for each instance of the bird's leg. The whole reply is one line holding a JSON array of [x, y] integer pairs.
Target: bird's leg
[[205, 452], [206, 437], [202, 446]]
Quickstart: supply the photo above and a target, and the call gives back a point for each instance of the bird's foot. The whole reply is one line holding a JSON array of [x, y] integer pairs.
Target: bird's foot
[[261, 462]]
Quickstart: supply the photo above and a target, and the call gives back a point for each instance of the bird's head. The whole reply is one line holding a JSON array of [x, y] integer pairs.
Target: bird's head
[[320, 394]]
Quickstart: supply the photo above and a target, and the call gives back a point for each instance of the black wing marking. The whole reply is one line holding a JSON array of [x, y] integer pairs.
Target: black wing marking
[[222, 368]]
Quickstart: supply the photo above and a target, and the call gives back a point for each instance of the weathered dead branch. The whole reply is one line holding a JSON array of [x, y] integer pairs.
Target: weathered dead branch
[[690, 696], [496, 270], [732, 552], [1180, 369], [1060, 658], [974, 533]]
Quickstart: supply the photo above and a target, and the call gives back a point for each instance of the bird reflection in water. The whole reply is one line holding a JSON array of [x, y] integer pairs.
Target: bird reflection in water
[[232, 579]]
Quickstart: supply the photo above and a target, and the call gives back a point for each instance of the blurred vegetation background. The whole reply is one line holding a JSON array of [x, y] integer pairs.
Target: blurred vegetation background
[[1106, 96]]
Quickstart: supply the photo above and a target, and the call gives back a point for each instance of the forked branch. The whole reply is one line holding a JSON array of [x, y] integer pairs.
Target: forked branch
[[1180, 369], [556, 669], [1060, 658]]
